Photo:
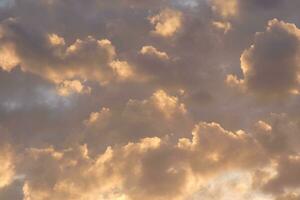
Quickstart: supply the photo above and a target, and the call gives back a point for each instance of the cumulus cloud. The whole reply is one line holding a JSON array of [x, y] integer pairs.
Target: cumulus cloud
[[152, 51], [7, 159], [131, 169], [84, 59], [122, 69], [7, 168], [129, 100], [287, 177], [56, 40], [117, 169], [213, 157], [278, 139], [158, 116], [8, 57], [270, 66], [167, 22], [68, 87], [238, 8], [225, 8]]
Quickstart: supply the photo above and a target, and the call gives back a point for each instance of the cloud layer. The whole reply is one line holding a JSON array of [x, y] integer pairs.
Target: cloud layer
[[130, 100]]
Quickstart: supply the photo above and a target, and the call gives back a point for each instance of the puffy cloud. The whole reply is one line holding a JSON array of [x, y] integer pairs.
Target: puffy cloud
[[278, 138], [68, 87], [216, 149], [229, 9], [8, 57], [287, 177], [131, 171], [167, 22], [271, 65], [122, 69], [225, 8], [159, 115], [56, 40], [7, 168], [146, 73], [123, 172], [85, 59], [58, 168], [152, 51], [234, 185], [167, 104]]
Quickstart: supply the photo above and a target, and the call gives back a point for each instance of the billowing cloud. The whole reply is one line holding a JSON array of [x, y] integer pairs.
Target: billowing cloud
[[225, 8], [85, 59], [152, 51], [131, 170], [271, 65], [287, 177], [167, 22], [8, 57], [68, 87], [7, 159], [154, 100], [158, 116], [216, 146], [7, 168]]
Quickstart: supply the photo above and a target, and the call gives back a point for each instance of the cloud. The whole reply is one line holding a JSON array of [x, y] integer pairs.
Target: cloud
[[122, 69], [152, 51], [158, 116], [238, 8], [56, 40], [290, 196], [270, 66], [85, 59], [130, 170], [8, 57], [224, 26], [167, 22], [215, 149], [278, 139], [225, 8], [287, 177], [7, 168], [117, 169], [129, 100], [68, 87]]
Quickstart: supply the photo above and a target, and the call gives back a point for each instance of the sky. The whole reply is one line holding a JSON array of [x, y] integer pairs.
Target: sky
[[152, 100]]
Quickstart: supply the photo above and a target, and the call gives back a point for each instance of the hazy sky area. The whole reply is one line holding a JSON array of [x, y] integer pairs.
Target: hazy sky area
[[149, 100]]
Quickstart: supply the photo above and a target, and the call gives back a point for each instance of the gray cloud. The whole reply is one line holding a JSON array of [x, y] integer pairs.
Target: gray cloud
[[128, 99]]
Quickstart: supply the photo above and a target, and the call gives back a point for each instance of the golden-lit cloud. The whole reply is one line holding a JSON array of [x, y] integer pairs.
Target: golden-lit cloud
[[7, 167], [225, 8], [56, 40], [122, 69], [8, 57], [68, 87], [154, 100], [167, 22], [223, 26], [152, 51], [271, 65], [134, 165]]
